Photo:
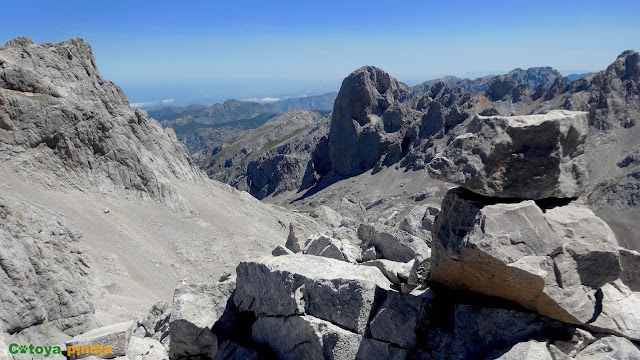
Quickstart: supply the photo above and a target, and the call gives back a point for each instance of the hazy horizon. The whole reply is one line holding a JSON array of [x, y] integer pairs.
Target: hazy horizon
[[245, 95], [204, 52]]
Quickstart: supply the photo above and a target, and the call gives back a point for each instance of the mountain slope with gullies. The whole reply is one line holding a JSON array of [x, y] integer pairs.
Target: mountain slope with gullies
[[60, 118], [103, 211], [230, 160]]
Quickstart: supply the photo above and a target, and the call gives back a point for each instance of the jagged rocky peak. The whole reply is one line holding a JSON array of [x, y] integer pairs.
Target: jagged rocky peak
[[534, 76], [610, 95], [366, 93], [500, 87], [61, 118], [367, 115], [524, 157], [627, 65]]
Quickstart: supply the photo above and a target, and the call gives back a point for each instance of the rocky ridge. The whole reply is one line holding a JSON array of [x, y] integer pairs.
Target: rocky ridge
[[232, 161], [531, 78]]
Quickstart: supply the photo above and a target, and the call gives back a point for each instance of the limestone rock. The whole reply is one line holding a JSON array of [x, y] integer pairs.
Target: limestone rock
[[430, 216], [229, 350], [374, 349], [116, 336], [328, 289], [4, 349], [630, 263], [156, 323], [396, 272], [524, 157], [366, 121], [413, 223], [557, 354], [272, 175], [45, 276], [305, 337], [579, 340], [589, 241], [393, 244], [419, 272], [610, 96], [482, 332], [196, 308], [369, 253], [619, 311], [77, 129], [530, 350], [327, 216], [510, 251], [322, 245], [347, 234], [297, 237], [398, 318], [281, 250], [610, 347], [267, 160], [145, 349]]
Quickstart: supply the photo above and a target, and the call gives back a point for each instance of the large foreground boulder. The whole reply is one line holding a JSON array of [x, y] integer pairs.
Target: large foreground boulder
[[328, 289], [196, 308], [524, 157], [552, 263]]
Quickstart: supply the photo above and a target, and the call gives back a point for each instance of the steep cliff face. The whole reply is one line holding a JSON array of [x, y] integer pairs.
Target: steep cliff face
[[60, 119], [367, 121]]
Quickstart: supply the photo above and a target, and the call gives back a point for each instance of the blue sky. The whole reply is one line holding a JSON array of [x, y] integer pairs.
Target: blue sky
[[207, 51]]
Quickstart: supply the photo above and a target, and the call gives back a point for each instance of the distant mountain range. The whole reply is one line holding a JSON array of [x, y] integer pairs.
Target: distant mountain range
[[199, 126], [531, 77]]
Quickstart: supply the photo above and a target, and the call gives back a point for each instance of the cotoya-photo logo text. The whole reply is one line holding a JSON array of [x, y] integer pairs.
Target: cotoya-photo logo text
[[95, 349]]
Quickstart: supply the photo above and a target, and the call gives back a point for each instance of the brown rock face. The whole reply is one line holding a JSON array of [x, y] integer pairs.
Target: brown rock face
[[514, 251]]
